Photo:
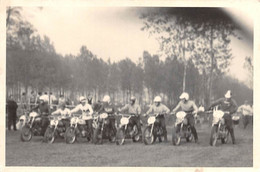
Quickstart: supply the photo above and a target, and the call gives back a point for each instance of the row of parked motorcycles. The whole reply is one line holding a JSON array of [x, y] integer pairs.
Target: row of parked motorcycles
[[78, 130]]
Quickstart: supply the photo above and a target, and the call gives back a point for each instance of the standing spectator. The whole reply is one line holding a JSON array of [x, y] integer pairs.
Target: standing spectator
[[24, 105], [11, 111], [32, 99], [45, 97], [247, 113], [53, 101], [38, 97]]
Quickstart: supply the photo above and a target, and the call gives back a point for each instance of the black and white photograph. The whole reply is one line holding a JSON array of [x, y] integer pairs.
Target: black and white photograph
[[129, 86]]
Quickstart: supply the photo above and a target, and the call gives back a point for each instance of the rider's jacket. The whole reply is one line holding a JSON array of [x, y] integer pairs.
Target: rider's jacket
[[161, 109], [107, 108], [43, 108], [65, 112], [229, 105], [86, 109], [245, 110], [132, 109], [188, 106]]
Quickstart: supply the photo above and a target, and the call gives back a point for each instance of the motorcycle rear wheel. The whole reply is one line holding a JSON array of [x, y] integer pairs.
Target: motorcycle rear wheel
[[213, 136], [148, 136], [120, 136], [112, 136], [49, 135], [176, 138], [70, 135], [189, 136], [26, 133]]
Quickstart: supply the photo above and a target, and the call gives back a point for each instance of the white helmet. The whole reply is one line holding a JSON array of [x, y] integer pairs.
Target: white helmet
[[106, 98], [157, 99], [185, 96], [82, 99], [132, 98], [228, 94]]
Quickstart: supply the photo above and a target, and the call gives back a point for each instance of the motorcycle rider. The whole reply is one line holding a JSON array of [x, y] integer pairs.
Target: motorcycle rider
[[190, 108], [134, 110], [85, 108], [63, 111], [247, 113], [228, 106], [44, 110], [161, 109], [108, 107]]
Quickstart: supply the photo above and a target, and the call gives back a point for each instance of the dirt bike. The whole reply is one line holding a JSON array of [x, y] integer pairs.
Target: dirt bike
[[78, 129], [219, 130], [104, 130], [55, 129], [33, 126], [126, 130], [152, 130], [181, 129]]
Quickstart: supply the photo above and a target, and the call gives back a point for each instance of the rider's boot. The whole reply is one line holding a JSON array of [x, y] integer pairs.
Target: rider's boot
[[232, 135]]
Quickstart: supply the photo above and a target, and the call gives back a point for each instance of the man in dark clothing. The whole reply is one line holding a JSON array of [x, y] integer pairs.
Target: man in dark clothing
[[108, 107], [228, 106], [11, 110], [44, 110]]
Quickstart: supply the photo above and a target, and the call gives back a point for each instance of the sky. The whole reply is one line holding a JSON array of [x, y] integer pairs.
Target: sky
[[115, 33]]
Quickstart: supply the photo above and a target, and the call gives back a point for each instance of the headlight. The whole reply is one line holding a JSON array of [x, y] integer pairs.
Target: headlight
[[104, 115], [124, 121], [33, 114], [151, 120]]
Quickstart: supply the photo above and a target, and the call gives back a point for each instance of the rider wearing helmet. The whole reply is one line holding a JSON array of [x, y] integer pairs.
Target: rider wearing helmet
[[159, 108], [229, 106], [86, 111], [133, 109], [63, 111], [190, 108], [108, 107], [44, 110]]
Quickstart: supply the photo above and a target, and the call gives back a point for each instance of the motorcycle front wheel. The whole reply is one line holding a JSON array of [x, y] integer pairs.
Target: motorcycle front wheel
[[49, 135], [176, 138], [26, 133], [70, 135], [213, 135], [225, 139], [148, 136], [120, 136]]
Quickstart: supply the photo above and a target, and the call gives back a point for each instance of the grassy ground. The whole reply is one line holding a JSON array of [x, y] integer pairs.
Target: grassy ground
[[36, 153]]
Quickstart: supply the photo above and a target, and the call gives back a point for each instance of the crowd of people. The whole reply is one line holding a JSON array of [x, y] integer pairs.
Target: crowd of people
[[46, 105]]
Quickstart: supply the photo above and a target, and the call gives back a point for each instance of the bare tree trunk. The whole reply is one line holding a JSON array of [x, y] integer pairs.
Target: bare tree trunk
[[212, 65]]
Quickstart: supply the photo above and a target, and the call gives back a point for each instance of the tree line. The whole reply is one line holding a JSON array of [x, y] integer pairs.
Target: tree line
[[33, 63]]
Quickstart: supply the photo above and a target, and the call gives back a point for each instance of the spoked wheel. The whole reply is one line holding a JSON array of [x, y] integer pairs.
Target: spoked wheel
[[120, 136], [70, 135], [49, 135], [136, 136], [148, 136], [112, 136], [26, 134], [225, 139], [189, 136], [213, 136], [176, 138], [97, 137]]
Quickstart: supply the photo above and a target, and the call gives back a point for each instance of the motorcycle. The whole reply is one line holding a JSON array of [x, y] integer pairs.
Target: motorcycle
[[184, 130], [218, 129], [22, 121], [126, 130], [55, 129], [103, 130], [32, 127], [78, 129], [152, 130]]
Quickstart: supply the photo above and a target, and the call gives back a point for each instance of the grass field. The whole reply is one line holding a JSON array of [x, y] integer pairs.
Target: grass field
[[37, 153]]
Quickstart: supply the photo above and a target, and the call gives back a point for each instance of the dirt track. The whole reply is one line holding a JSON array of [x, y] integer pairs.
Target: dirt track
[[36, 153]]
